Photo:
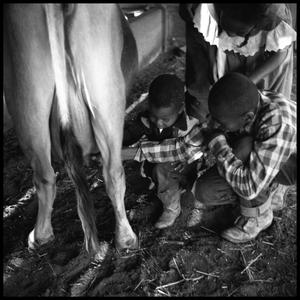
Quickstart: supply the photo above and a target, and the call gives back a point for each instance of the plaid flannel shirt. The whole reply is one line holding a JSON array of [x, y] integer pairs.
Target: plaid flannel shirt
[[274, 133], [187, 148]]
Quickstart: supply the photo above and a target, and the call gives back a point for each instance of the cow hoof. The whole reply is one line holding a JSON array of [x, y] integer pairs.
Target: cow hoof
[[130, 242], [102, 251], [36, 244]]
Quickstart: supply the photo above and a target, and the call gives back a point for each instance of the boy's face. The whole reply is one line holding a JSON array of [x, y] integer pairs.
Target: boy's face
[[164, 117], [229, 122]]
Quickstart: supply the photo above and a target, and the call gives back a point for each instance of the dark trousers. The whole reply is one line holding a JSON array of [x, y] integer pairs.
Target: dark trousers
[[170, 183], [198, 74], [212, 189]]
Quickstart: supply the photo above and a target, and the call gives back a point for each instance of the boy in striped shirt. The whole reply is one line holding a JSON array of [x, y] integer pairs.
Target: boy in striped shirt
[[165, 118], [252, 136]]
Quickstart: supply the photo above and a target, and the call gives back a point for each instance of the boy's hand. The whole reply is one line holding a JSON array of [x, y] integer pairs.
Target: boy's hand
[[212, 130], [128, 153], [178, 166]]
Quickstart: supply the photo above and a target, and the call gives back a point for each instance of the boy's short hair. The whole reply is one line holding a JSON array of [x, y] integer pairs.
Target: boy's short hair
[[166, 90], [234, 93]]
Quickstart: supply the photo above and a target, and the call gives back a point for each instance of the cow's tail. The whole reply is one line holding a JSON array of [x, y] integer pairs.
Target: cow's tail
[[70, 150]]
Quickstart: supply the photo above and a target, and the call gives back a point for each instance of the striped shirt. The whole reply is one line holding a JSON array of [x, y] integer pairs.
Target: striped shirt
[[187, 148], [274, 132]]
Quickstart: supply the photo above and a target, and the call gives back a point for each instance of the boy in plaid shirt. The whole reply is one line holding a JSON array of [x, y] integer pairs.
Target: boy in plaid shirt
[[255, 170], [166, 118]]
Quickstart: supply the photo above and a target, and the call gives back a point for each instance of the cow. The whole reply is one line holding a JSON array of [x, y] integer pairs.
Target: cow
[[67, 70]]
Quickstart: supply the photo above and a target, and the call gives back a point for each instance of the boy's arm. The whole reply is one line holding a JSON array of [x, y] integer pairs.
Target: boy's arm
[[187, 148], [249, 179]]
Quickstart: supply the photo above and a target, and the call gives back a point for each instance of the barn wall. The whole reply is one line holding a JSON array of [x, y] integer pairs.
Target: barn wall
[[176, 26], [157, 30], [149, 32]]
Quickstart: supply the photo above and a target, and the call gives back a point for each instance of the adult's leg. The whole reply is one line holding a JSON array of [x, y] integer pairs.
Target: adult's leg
[[281, 79], [198, 74]]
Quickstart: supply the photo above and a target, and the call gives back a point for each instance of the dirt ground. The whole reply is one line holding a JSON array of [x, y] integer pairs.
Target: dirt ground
[[170, 262]]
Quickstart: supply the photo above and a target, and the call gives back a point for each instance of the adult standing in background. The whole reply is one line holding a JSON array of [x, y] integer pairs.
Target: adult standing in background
[[255, 39]]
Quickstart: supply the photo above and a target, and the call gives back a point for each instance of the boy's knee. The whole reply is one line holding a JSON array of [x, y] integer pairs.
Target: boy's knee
[[163, 177], [203, 191], [212, 189], [161, 172], [169, 195]]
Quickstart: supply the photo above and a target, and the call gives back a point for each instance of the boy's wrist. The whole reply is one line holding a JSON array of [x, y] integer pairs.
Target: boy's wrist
[[217, 144]]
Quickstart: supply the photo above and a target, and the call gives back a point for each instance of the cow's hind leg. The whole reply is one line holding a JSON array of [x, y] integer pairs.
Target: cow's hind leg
[[44, 181], [34, 135], [28, 85], [31, 114], [108, 129], [97, 40], [114, 176]]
